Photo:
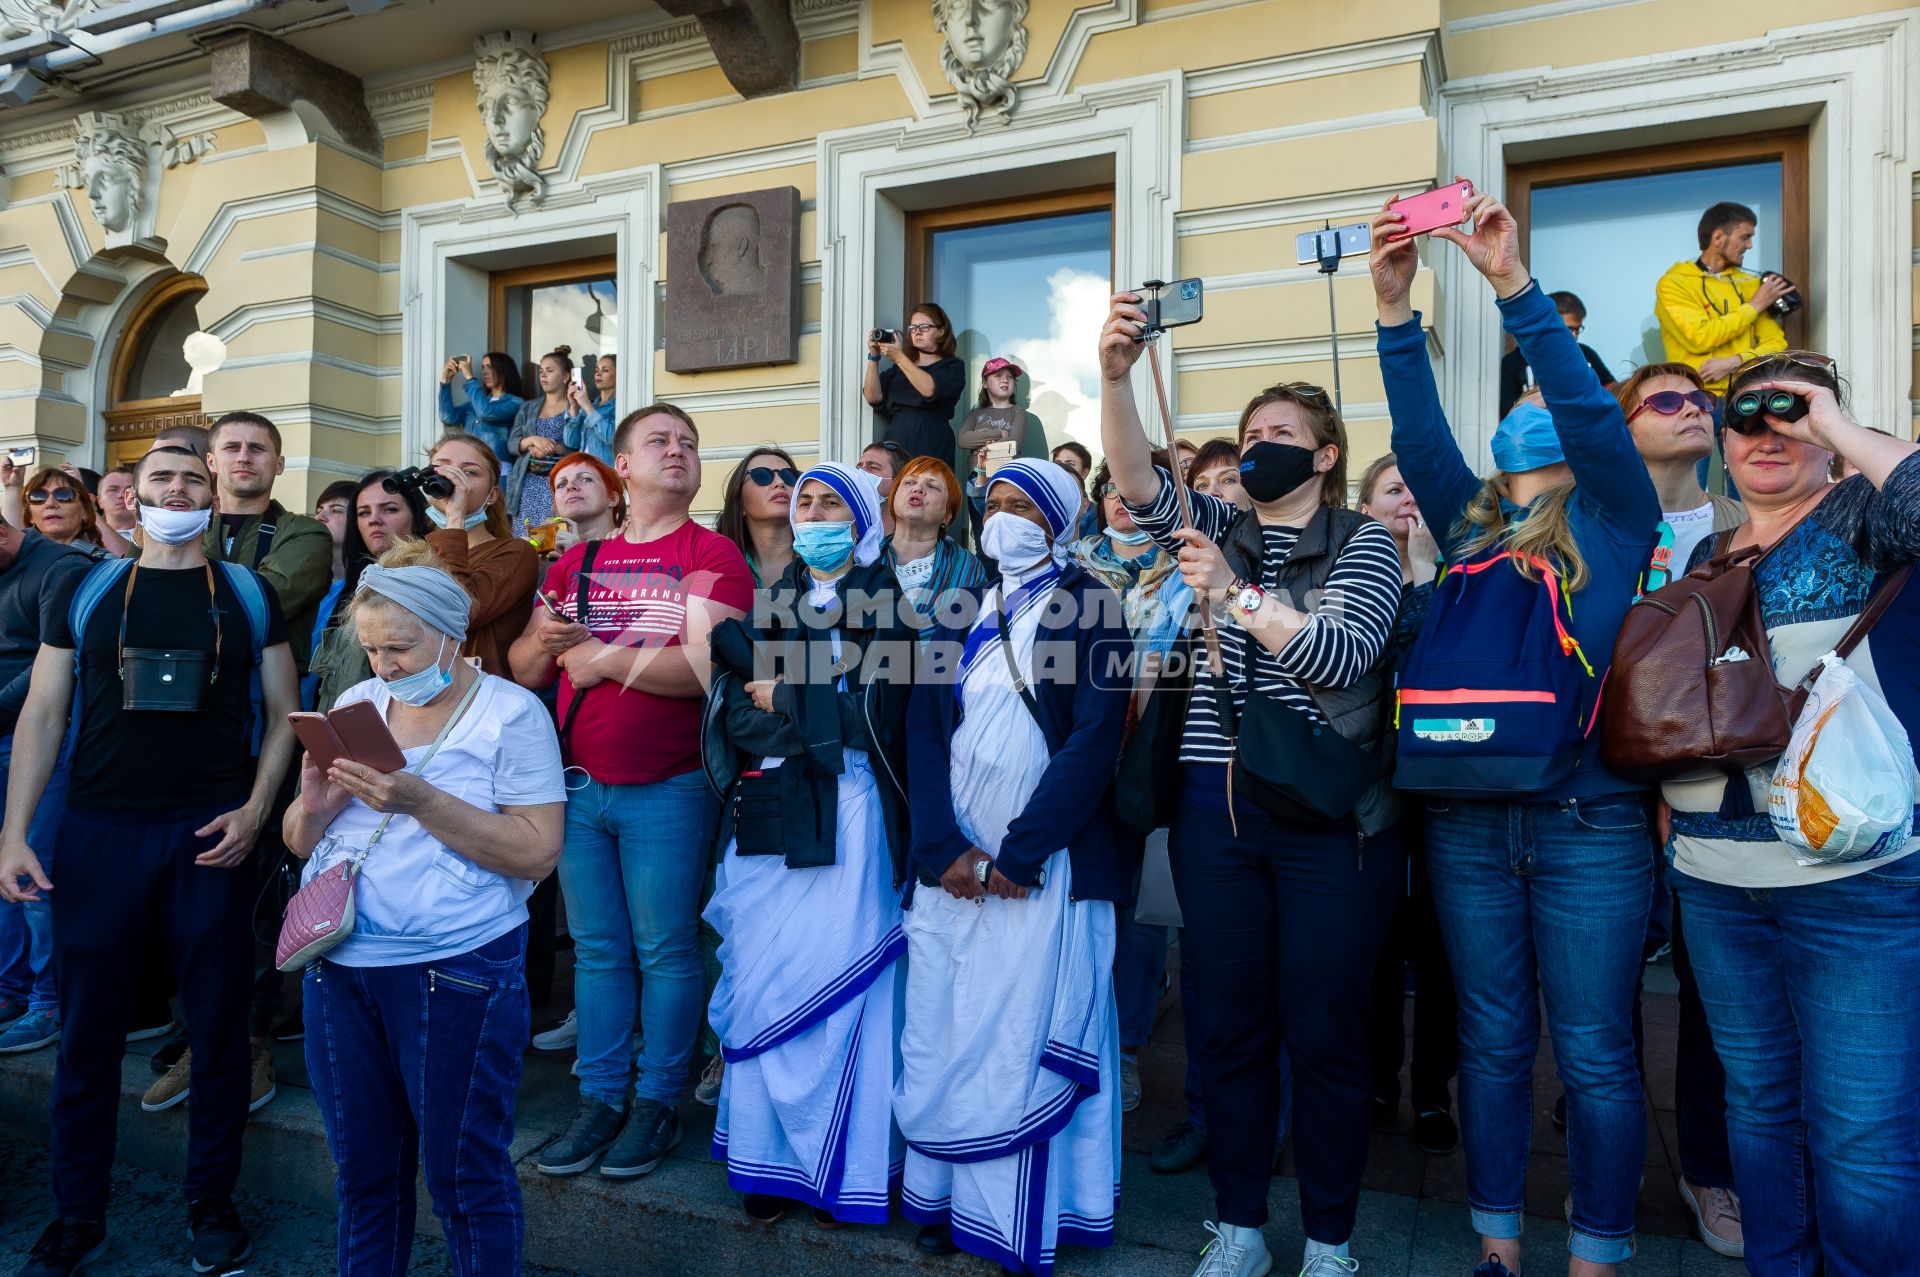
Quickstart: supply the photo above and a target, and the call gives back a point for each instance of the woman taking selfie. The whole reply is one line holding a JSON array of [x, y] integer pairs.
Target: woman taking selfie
[[473, 542], [928, 563], [379, 520], [1806, 970], [755, 512], [538, 441], [419, 1017], [1295, 902], [807, 1003], [914, 386], [1539, 858], [493, 398]]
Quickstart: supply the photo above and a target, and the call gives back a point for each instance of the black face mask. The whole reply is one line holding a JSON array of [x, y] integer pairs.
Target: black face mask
[[1269, 470]]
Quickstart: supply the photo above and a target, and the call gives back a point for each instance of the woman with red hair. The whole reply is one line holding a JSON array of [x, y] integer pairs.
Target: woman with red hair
[[928, 563], [588, 497]]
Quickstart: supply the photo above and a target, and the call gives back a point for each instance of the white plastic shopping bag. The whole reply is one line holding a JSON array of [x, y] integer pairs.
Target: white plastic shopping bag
[[1844, 789]]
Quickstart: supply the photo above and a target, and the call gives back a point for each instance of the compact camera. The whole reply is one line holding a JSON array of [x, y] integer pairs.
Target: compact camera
[[424, 479], [885, 337], [1787, 303]]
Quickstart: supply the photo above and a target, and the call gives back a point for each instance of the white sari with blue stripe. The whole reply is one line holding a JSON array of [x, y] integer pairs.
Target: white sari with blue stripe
[[1010, 1048], [806, 1011]]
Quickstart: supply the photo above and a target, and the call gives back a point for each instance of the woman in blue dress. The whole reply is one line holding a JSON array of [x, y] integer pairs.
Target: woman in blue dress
[[538, 442]]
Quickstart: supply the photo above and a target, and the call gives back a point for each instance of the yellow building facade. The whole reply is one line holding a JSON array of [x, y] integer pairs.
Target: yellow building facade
[[326, 254]]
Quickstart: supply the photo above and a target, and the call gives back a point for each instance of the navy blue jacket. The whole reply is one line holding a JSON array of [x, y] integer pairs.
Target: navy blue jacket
[[1083, 714]]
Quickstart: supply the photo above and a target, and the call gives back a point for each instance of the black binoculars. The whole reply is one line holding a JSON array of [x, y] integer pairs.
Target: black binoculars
[[1746, 409], [428, 481]]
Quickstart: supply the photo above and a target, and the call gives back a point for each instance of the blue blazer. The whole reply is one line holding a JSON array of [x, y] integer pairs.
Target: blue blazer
[[1083, 720]]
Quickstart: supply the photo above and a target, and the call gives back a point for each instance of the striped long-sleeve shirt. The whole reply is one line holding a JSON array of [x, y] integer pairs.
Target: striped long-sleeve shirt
[[1347, 627]]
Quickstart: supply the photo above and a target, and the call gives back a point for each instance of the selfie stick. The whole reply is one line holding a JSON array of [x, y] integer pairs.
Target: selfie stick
[[1326, 246], [1207, 633]]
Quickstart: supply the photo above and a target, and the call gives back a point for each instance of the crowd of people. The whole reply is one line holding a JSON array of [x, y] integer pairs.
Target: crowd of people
[[851, 799]]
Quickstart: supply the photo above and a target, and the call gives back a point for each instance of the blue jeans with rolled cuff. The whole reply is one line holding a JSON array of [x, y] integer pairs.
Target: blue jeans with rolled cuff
[[1810, 992], [419, 1063], [1548, 899]]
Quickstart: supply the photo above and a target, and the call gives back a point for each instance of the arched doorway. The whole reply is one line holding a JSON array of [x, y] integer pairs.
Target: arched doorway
[[153, 382]]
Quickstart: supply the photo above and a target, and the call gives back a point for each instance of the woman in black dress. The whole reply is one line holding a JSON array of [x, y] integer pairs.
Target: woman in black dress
[[914, 387]]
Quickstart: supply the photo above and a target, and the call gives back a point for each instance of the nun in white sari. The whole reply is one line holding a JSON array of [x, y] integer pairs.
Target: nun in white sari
[[1008, 1092], [807, 901]]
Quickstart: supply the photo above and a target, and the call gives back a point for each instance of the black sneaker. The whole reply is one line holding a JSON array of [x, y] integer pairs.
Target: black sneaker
[[1181, 1149], [764, 1208], [1435, 1132], [167, 1056], [1560, 1114], [220, 1242], [936, 1239], [1492, 1267], [595, 1126], [652, 1131], [67, 1246], [291, 1029]]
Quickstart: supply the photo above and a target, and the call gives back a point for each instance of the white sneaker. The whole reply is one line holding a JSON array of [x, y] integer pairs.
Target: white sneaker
[[1129, 1083], [1330, 1266], [560, 1037], [1234, 1252]]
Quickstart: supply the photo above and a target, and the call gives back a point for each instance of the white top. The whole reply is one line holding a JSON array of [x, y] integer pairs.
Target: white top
[[419, 901], [1690, 528]]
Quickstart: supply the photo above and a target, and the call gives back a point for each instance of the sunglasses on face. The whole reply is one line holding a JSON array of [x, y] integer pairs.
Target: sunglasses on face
[[765, 475], [65, 496], [1668, 402]]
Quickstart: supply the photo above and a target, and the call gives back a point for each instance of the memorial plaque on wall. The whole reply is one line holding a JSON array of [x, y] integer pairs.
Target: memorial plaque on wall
[[733, 281]]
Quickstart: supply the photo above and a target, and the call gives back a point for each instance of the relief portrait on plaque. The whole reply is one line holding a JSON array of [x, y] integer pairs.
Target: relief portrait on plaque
[[733, 281]]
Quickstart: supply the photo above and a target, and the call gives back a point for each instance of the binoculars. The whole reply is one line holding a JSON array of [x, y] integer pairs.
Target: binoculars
[[428, 481], [1745, 410]]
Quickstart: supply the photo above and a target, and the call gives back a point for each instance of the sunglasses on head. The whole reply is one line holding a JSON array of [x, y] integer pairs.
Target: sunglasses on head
[[40, 496], [1669, 402], [765, 475]]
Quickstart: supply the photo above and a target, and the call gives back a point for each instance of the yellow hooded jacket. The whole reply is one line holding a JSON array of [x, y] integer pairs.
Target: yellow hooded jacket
[[1705, 316]]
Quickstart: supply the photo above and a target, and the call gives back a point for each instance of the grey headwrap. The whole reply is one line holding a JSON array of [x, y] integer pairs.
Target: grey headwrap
[[429, 593]]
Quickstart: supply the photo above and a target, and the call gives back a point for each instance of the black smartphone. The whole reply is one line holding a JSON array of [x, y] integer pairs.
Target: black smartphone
[[1171, 305]]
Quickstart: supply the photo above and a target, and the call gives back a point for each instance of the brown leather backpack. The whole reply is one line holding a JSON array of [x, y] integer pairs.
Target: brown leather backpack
[[1680, 697]]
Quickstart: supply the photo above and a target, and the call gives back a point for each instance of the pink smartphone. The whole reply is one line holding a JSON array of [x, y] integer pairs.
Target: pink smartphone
[[1432, 210], [365, 738]]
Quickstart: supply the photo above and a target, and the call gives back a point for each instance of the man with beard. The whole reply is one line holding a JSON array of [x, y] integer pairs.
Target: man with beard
[[180, 675]]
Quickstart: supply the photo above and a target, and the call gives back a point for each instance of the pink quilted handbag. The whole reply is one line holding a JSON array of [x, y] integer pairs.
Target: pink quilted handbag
[[319, 916]]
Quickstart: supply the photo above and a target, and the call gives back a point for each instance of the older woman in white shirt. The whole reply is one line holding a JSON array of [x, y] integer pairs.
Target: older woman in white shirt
[[417, 1021]]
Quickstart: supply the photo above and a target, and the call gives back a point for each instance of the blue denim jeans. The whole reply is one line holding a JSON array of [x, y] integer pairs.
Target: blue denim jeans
[[420, 1062], [26, 929], [1810, 994], [632, 869], [1547, 898]]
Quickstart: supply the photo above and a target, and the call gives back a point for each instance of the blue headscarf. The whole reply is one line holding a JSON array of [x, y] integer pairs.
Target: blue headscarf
[[861, 492], [1052, 488], [1526, 440]]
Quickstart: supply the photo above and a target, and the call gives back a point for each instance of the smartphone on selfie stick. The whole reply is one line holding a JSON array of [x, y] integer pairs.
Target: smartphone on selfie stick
[[1325, 247]]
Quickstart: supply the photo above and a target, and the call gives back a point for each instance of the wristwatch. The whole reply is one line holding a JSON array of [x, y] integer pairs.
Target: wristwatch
[[983, 869], [1245, 597]]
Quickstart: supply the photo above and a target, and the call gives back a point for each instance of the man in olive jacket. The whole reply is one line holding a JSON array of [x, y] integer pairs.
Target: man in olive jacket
[[295, 556]]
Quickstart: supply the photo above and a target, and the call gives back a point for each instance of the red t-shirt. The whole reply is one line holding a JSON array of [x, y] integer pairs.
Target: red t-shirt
[[637, 595]]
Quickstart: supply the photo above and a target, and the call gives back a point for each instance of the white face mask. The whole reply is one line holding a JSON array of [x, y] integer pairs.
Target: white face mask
[[174, 527], [1015, 543]]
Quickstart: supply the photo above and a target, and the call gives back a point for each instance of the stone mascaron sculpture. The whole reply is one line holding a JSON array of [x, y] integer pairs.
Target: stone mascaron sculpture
[[512, 79], [118, 162], [984, 43]]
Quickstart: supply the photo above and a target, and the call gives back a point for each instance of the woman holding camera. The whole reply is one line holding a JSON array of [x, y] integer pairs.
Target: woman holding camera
[[1538, 856], [474, 543], [1285, 908], [590, 419], [379, 520], [1807, 970], [419, 1017], [917, 389], [493, 398], [538, 440]]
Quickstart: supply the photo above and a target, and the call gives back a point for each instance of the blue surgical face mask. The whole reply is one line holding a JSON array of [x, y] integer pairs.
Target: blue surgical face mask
[[1135, 537], [1526, 440], [421, 688], [823, 546], [471, 522]]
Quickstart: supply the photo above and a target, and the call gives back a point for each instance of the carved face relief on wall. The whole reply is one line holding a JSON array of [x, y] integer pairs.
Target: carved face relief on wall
[[983, 44], [730, 251], [512, 80], [110, 157]]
